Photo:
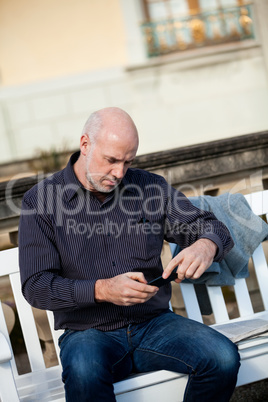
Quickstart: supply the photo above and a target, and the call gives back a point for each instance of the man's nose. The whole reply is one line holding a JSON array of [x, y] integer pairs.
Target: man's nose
[[119, 171]]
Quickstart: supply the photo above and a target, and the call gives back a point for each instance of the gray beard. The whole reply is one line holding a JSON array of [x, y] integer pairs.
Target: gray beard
[[97, 186]]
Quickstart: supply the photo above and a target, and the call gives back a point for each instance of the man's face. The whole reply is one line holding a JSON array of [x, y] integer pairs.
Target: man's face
[[107, 162]]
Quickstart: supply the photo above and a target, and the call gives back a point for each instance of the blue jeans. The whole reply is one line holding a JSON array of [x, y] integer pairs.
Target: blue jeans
[[93, 360]]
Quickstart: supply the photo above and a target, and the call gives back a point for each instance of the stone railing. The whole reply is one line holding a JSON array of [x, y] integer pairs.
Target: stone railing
[[196, 30]]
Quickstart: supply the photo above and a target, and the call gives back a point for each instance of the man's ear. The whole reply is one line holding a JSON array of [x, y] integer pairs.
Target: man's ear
[[84, 144]]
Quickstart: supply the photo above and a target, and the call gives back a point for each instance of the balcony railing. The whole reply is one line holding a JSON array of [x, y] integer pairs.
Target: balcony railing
[[207, 28]]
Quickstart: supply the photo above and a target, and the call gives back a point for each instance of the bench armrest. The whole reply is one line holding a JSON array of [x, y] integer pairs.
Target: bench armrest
[[5, 352]]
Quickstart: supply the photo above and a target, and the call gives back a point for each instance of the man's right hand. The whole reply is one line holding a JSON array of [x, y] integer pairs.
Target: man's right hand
[[124, 290]]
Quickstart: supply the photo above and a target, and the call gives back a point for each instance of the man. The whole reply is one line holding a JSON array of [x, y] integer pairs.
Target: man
[[90, 239]]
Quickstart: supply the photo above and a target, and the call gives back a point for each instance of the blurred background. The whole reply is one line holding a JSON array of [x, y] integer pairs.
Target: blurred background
[[187, 71], [193, 75]]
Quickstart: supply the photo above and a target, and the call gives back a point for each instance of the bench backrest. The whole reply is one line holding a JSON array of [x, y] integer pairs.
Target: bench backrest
[[259, 204], [9, 266]]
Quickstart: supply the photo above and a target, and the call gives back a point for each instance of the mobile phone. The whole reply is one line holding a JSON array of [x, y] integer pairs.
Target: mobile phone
[[160, 281]]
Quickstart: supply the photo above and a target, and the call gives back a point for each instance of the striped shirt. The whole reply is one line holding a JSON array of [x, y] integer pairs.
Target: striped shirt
[[68, 239]]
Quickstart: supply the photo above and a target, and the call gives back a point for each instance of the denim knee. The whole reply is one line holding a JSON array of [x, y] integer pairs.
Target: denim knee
[[83, 369], [216, 375], [91, 362], [224, 360], [230, 360]]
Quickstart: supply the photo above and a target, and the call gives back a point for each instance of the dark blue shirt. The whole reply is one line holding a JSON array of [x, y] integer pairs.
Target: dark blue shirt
[[68, 239]]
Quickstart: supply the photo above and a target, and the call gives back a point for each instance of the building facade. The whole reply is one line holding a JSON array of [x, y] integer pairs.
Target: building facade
[[187, 71]]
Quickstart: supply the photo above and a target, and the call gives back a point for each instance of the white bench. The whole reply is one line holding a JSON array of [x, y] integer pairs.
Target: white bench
[[44, 384]]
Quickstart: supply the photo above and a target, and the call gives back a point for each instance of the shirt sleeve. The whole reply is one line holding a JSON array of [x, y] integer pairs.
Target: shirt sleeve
[[40, 266], [185, 224]]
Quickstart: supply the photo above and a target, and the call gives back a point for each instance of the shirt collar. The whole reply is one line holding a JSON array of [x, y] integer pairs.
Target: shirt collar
[[71, 181]]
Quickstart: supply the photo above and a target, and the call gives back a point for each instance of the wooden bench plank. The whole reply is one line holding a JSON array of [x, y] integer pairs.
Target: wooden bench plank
[[28, 326], [55, 334], [191, 302], [261, 270], [8, 391], [242, 297], [218, 304]]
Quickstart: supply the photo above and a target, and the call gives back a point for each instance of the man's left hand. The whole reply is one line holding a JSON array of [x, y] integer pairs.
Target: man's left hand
[[192, 261]]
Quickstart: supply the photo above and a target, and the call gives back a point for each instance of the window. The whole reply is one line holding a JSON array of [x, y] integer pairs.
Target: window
[[178, 25]]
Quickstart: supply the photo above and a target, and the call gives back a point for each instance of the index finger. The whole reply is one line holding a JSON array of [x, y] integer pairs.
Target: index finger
[[170, 267]]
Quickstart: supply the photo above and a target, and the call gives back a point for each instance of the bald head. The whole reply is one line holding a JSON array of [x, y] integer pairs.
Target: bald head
[[110, 121]]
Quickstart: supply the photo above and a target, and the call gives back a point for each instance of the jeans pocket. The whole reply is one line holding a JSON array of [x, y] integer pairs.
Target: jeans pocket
[[65, 334]]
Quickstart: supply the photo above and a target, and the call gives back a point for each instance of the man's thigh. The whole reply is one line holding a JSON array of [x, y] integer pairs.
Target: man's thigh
[[85, 351], [176, 343]]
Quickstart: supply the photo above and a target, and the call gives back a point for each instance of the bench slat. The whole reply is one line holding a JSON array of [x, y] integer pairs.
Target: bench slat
[[8, 390], [9, 261], [191, 302], [218, 304], [55, 334], [171, 390], [258, 202], [8, 368], [242, 297], [261, 270], [4, 332], [28, 326]]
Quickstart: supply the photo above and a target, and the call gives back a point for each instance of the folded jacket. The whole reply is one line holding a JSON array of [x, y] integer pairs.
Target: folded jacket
[[247, 230]]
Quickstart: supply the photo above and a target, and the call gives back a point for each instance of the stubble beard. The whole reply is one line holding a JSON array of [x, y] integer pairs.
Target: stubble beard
[[96, 184]]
